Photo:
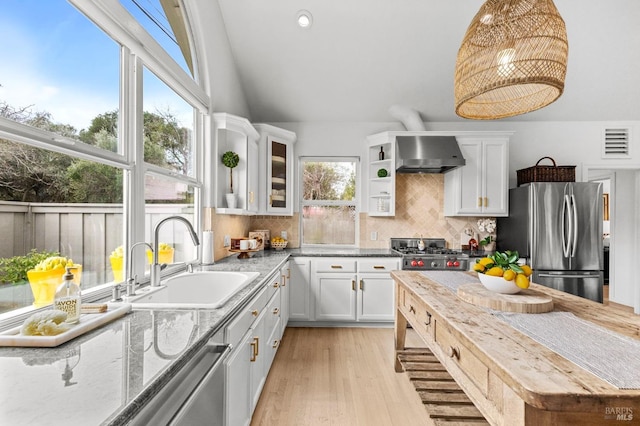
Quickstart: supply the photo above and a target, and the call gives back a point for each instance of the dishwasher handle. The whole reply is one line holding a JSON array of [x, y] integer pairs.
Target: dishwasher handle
[[224, 351]]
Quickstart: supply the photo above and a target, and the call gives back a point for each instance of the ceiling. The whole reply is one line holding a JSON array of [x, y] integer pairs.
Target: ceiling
[[362, 56]]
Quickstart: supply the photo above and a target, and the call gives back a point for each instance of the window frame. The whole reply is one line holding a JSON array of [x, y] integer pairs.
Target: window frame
[[137, 50], [303, 203]]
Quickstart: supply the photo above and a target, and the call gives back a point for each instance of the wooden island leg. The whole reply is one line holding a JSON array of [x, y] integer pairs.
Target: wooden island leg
[[400, 334]]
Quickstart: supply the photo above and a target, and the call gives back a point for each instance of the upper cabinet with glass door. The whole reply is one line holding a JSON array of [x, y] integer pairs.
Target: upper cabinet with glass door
[[276, 165], [236, 189]]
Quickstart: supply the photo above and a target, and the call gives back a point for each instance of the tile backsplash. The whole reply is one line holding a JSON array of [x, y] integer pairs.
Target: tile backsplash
[[419, 211]]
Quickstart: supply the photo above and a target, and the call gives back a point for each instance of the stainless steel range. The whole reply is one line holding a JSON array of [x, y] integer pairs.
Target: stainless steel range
[[429, 256]]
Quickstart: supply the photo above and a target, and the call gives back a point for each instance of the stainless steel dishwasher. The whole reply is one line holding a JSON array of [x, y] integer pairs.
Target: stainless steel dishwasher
[[194, 396]]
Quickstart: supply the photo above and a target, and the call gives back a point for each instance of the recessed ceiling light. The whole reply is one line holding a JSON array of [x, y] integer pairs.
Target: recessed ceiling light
[[304, 19]]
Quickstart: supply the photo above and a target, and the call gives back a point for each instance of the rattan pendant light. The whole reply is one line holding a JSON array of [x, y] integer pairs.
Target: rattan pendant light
[[513, 59]]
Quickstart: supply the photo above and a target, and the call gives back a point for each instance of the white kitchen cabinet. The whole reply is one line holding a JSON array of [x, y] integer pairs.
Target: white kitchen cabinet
[[381, 190], [285, 289], [481, 186], [335, 296], [232, 133], [376, 289], [254, 334], [238, 383], [353, 289], [299, 289], [276, 170]]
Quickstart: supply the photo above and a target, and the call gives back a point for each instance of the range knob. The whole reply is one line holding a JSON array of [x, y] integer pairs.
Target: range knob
[[414, 263], [434, 264], [420, 263], [449, 263], [456, 264]]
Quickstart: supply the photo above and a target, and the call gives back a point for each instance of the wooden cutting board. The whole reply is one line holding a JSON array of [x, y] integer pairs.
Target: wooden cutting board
[[527, 301]]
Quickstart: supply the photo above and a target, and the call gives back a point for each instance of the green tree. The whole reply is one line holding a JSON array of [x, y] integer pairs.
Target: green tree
[[319, 181]]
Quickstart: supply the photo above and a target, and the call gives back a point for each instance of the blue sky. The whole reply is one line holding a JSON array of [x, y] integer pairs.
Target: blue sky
[[56, 60]]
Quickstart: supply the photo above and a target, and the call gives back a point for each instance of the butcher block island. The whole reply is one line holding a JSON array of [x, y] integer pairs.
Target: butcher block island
[[526, 368]]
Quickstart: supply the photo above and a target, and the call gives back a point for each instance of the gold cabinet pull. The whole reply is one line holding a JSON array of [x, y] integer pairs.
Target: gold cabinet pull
[[486, 201], [412, 309], [271, 200], [251, 197], [353, 285], [254, 312], [254, 349], [336, 266], [288, 273], [276, 311], [378, 267], [276, 343], [276, 285], [479, 201], [361, 284], [284, 280]]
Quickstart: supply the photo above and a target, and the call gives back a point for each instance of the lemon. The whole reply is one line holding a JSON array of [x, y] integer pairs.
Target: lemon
[[485, 261], [526, 269], [522, 281], [496, 271], [478, 267], [509, 275]]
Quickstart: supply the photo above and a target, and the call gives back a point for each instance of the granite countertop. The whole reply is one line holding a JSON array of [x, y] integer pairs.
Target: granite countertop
[[340, 252], [107, 375]]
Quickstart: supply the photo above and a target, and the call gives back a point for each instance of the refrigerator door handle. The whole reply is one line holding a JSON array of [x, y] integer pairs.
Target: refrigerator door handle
[[566, 245], [542, 275], [575, 225]]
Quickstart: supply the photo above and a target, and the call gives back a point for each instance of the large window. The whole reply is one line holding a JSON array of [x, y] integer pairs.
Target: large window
[[59, 70], [83, 173], [328, 201]]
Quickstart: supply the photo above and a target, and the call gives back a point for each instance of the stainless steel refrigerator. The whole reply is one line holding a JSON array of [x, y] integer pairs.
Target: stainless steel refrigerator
[[558, 227]]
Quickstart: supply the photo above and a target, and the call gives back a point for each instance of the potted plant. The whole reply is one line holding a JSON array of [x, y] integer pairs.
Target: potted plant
[[231, 160]]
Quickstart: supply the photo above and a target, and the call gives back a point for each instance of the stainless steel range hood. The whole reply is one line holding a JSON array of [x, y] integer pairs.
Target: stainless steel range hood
[[427, 154]]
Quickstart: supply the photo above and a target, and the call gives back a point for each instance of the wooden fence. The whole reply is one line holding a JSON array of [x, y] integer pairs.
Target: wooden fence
[[87, 233]]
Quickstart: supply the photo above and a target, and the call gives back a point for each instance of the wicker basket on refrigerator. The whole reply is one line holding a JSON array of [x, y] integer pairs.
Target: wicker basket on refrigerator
[[546, 173]]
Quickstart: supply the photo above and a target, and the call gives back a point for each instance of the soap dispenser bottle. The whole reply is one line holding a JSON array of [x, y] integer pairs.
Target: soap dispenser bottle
[[67, 297]]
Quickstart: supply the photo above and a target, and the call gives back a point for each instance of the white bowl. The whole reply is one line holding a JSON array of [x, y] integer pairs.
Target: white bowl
[[498, 284]]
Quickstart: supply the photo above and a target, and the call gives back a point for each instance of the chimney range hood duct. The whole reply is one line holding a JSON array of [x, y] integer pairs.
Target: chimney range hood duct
[[427, 154]]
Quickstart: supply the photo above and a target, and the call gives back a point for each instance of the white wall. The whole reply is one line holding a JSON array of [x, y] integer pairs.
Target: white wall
[[624, 236], [218, 66]]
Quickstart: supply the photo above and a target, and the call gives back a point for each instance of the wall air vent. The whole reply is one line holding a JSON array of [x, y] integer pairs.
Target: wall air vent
[[616, 143]]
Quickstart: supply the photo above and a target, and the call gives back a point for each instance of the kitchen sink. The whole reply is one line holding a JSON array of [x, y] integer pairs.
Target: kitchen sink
[[192, 290]]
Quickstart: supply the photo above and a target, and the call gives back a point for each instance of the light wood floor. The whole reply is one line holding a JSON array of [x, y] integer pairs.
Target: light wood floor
[[338, 376]]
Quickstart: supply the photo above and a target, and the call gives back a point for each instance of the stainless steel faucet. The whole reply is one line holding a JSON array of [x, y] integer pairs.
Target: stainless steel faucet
[[155, 266], [132, 281]]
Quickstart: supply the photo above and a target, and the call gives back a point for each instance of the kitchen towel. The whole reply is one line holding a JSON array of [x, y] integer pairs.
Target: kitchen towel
[[606, 354]]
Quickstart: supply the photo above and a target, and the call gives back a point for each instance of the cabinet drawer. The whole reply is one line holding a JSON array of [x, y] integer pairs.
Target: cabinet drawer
[[245, 318], [271, 347], [273, 286], [377, 265], [416, 312], [273, 314], [470, 365], [335, 265]]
